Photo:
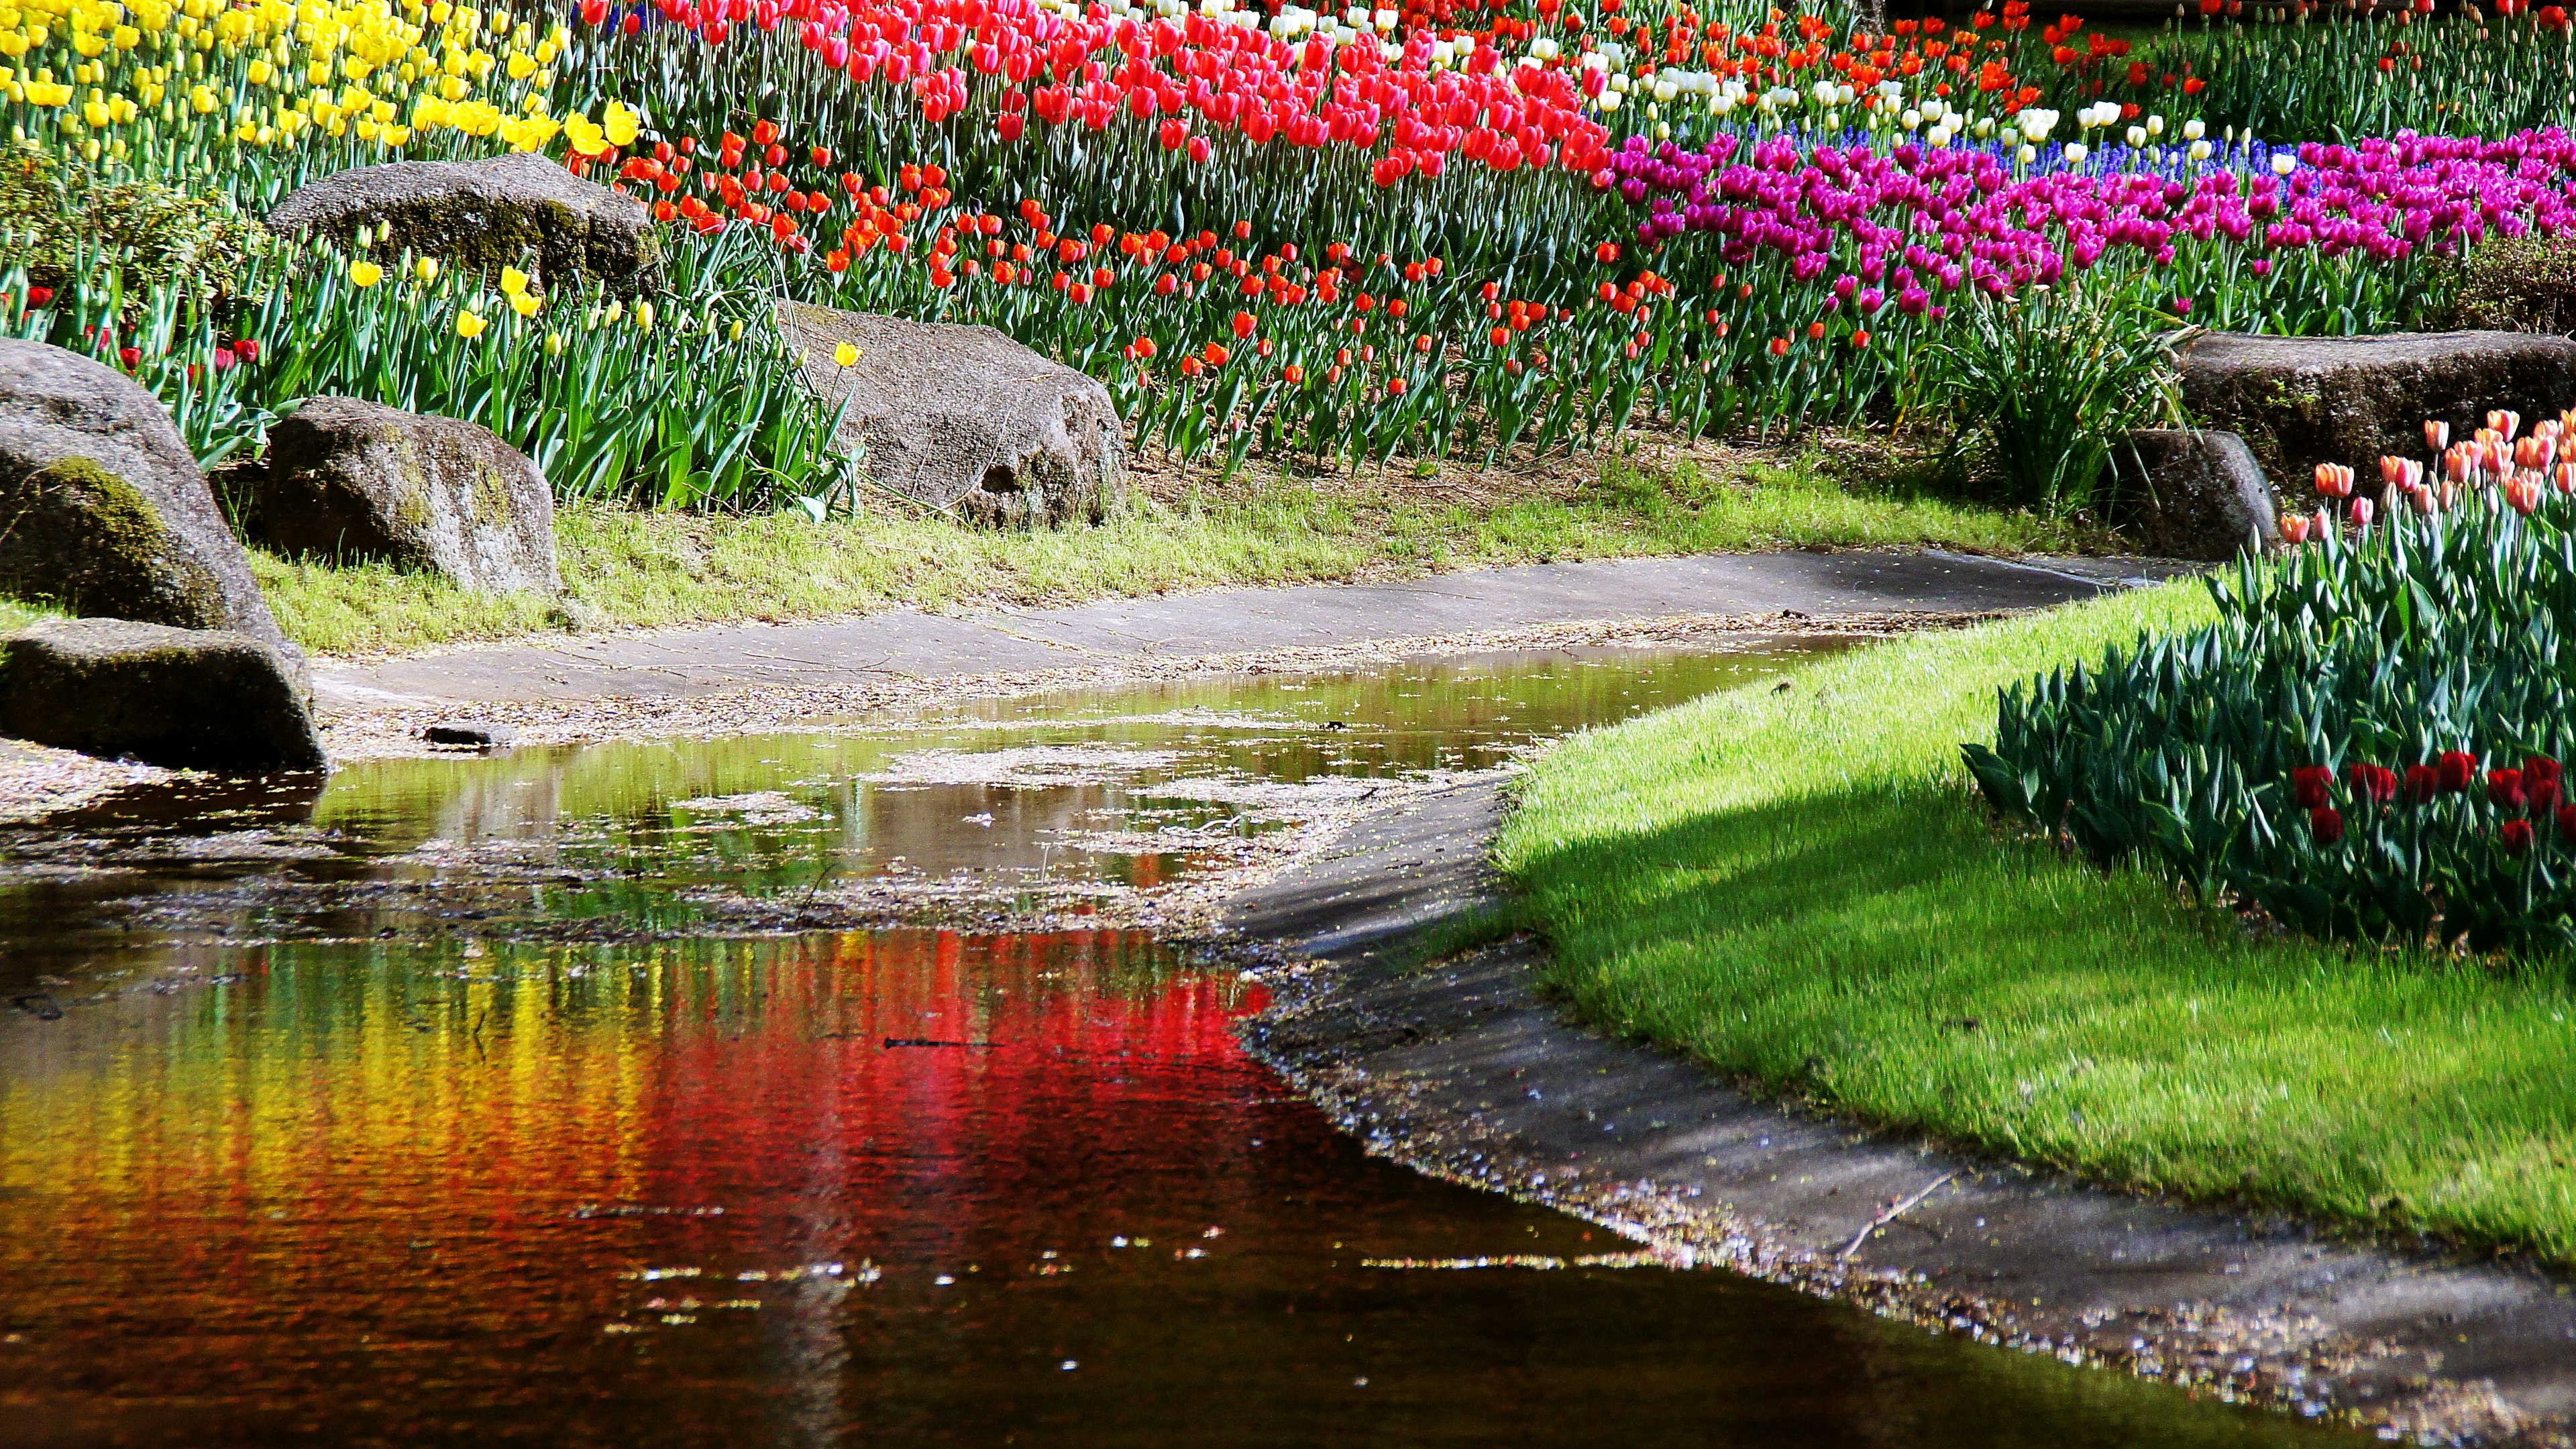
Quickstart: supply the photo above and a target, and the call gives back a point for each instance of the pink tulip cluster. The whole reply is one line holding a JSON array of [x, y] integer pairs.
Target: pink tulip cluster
[[1924, 220], [2521, 467]]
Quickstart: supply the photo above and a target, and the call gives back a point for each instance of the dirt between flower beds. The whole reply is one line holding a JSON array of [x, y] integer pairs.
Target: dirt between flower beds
[[1464, 1070]]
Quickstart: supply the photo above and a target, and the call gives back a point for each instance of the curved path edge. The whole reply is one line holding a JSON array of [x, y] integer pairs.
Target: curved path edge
[[1464, 1069]]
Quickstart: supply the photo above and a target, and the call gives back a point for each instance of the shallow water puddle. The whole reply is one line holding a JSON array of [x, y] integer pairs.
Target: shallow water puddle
[[900, 1185]]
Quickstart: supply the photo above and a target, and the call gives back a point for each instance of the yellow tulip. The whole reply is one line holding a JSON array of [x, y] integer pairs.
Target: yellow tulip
[[365, 273], [513, 281], [846, 355], [470, 324], [619, 123], [644, 316], [426, 269], [525, 303]]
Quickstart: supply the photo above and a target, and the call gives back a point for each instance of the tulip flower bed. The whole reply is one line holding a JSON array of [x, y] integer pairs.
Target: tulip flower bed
[[2367, 742], [1443, 230]]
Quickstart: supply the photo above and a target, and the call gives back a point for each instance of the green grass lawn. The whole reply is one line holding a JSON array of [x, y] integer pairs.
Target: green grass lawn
[[1804, 890], [629, 568]]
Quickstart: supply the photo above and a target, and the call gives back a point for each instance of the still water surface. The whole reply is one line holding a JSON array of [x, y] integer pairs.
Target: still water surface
[[386, 1118]]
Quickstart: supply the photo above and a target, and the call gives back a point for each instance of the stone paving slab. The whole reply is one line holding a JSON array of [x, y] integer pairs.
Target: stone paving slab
[[913, 645]]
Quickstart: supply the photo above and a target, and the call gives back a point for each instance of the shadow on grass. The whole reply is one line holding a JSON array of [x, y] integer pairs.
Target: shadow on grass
[[1887, 955]]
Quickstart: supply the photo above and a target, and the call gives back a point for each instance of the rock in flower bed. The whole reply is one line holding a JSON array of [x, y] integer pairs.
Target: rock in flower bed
[[2369, 742]]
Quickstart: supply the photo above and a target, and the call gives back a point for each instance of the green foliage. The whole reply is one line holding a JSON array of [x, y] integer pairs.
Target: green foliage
[[2426, 636], [2049, 381], [60, 218], [2517, 284], [694, 402]]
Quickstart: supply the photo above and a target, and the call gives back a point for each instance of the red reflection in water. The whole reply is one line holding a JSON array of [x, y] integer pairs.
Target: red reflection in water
[[691, 1195], [348, 1185]]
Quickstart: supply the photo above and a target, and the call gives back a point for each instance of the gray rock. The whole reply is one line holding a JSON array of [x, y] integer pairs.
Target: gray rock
[[103, 509], [472, 734], [2191, 493], [515, 210], [205, 699], [2301, 401], [348, 480], [964, 419]]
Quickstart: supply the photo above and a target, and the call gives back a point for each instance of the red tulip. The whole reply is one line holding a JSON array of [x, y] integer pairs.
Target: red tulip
[[2567, 823], [2504, 789], [39, 297], [2313, 785], [247, 349], [2515, 836], [2422, 783], [2374, 783], [2542, 780], [2456, 769], [2326, 824]]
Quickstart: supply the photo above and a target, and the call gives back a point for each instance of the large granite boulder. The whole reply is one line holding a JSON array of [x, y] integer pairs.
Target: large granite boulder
[[103, 509], [205, 699], [2191, 493], [347, 480], [963, 418], [2301, 401], [514, 210]]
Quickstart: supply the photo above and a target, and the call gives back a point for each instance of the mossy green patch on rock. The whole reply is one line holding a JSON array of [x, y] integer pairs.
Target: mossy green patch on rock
[[79, 536]]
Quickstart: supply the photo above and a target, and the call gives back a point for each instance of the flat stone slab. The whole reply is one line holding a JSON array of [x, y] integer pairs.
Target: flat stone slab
[[203, 699], [2301, 401], [514, 209], [1465, 1070], [856, 652]]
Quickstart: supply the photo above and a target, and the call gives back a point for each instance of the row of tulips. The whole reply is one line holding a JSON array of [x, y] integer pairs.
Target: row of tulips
[[690, 399], [2367, 743]]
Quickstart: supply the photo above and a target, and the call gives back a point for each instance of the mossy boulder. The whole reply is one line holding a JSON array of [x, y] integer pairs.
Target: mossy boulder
[[103, 509], [348, 481], [964, 419], [2301, 401], [205, 699], [516, 210], [2191, 493]]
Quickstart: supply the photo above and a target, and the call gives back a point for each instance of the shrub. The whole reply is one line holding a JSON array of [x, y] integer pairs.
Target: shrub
[[2365, 744], [2518, 284], [58, 214], [2049, 381]]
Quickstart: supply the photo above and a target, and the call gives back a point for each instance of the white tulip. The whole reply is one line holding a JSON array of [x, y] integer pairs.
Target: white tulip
[[2194, 129]]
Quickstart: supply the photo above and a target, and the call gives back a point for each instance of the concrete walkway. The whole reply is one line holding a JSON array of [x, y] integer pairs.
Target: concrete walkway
[[918, 646]]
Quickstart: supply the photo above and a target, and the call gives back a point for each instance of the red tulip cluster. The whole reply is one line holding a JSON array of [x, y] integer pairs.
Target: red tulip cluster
[[1193, 71], [2536, 791]]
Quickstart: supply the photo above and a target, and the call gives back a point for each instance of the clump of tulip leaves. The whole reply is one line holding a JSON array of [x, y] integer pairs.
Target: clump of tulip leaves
[[2347, 747]]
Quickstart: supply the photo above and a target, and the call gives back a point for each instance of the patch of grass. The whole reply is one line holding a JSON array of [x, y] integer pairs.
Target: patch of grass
[[627, 568], [1803, 889], [15, 615]]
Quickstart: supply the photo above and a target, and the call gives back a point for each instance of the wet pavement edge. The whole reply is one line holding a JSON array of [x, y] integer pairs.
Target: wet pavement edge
[[1464, 1069]]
